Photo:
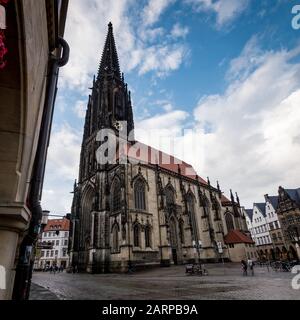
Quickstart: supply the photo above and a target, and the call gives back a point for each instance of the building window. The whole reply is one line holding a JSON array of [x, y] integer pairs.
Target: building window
[[181, 231], [66, 234], [42, 253], [51, 255], [229, 221], [57, 243], [136, 235], [116, 195], [64, 252], [115, 238], [47, 253], [56, 252], [139, 195], [66, 242], [148, 237], [170, 198]]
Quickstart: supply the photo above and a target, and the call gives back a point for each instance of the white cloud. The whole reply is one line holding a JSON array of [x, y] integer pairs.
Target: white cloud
[[135, 39], [62, 169], [225, 10], [163, 59], [179, 31], [154, 9], [252, 143], [80, 108]]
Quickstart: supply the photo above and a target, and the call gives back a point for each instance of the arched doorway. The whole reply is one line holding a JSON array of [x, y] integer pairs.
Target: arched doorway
[[85, 222], [261, 254], [277, 254], [284, 255], [272, 256], [292, 253]]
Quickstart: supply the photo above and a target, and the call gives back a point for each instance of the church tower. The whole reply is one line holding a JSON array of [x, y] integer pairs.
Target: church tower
[[145, 212], [108, 104]]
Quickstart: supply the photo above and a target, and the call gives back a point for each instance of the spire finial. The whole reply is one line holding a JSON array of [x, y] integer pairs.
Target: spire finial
[[237, 198], [109, 60], [208, 181]]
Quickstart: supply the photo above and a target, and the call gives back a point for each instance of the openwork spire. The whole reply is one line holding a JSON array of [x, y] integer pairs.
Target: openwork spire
[[109, 60]]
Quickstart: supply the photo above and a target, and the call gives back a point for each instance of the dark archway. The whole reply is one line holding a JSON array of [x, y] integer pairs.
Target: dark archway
[[273, 255], [85, 228], [284, 255], [292, 253]]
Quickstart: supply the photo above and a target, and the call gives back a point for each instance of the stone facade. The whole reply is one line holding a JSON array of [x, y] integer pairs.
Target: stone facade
[[143, 211], [288, 211], [23, 84]]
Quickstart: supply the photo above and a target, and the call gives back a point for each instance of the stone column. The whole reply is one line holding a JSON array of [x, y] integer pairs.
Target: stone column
[[13, 220]]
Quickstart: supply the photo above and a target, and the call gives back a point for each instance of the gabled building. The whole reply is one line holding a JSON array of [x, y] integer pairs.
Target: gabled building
[[56, 236], [260, 230], [275, 231], [288, 210], [240, 246], [274, 225]]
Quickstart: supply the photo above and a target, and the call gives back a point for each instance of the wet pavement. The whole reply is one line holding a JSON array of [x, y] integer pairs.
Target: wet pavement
[[222, 282]]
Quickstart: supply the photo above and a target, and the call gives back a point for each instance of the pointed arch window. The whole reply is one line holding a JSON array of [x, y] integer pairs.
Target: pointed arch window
[[181, 231], [229, 221], [192, 215], [139, 195], [116, 195], [170, 197], [115, 238], [148, 236], [136, 235]]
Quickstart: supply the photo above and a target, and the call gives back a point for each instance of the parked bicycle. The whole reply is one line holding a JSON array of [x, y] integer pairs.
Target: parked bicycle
[[196, 269]]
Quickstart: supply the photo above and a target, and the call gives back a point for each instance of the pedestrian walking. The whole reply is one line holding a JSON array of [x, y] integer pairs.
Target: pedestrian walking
[[251, 266], [244, 267], [55, 269], [51, 269]]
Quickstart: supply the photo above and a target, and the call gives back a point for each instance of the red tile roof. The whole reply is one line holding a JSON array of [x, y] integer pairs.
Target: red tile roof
[[153, 156], [58, 224], [236, 236], [225, 200]]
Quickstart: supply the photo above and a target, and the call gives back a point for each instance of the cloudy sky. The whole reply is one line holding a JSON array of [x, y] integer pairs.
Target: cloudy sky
[[226, 70]]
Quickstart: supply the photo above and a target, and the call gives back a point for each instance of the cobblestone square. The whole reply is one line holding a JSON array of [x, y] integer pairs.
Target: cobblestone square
[[222, 282]]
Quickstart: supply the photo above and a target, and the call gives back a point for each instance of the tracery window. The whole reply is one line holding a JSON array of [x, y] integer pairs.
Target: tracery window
[[229, 221], [139, 195], [115, 238], [181, 231], [170, 198], [148, 237], [116, 195], [136, 235]]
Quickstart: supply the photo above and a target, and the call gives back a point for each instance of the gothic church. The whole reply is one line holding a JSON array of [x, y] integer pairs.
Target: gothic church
[[141, 214]]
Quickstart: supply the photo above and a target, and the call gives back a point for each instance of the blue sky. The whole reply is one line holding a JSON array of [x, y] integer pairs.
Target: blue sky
[[228, 69]]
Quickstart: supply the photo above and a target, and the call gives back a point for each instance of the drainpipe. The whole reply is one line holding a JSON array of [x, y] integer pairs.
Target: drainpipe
[[26, 257]]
